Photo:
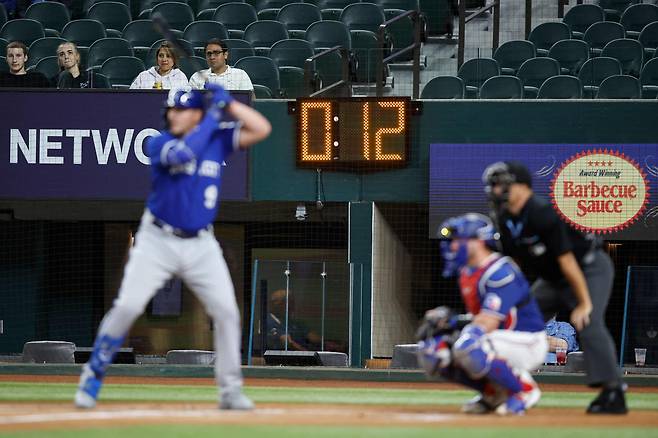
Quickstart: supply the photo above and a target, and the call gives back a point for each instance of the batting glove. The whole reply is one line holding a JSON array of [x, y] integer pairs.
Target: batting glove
[[220, 97]]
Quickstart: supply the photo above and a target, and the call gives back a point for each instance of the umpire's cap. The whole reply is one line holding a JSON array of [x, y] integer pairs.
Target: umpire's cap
[[506, 172], [186, 99]]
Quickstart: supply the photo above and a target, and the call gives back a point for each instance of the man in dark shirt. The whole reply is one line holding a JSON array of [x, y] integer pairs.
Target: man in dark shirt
[[573, 272], [17, 77]]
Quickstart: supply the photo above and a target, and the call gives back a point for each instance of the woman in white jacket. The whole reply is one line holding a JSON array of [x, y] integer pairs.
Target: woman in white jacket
[[163, 76]]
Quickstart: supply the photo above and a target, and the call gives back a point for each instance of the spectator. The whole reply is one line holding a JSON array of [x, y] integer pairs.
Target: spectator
[[561, 334], [17, 77], [165, 75], [296, 335], [68, 58], [219, 72]]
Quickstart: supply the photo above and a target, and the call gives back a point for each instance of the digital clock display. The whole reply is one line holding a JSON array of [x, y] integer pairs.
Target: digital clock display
[[352, 132]]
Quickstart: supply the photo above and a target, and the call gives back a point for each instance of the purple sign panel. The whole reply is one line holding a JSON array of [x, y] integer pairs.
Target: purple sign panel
[[87, 146], [605, 189]]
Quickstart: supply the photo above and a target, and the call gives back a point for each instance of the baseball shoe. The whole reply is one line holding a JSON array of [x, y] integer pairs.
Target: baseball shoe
[[236, 400], [520, 402], [486, 402], [88, 389], [609, 401]]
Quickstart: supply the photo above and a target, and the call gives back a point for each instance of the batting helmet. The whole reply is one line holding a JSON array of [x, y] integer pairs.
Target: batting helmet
[[468, 226]]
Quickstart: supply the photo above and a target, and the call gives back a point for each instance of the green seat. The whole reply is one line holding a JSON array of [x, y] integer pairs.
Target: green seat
[[23, 29], [475, 72], [238, 49], [444, 87], [263, 34], [291, 52], [88, 4], [511, 54], [191, 65], [84, 32], [628, 52], [571, 54], [405, 5], [649, 79], [269, 9], [363, 16], [178, 15], [49, 67], [600, 34], [502, 87], [4, 67], [235, 17], [141, 34], [439, 16], [51, 15], [561, 87], [297, 17], [121, 71], [262, 92], [594, 71], [366, 48], [199, 32], [546, 34], [114, 16], [3, 46], [534, 72], [145, 7], [214, 4], [292, 82], [580, 17], [106, 48], [99, 81], [3, 15], [649, 40], [326, 34], [615, 8], [261, 71], [150, 60], [331, 9], [205, 15], [620, 87], [636, 17], [42, 48], [329, 68], [401, 33]]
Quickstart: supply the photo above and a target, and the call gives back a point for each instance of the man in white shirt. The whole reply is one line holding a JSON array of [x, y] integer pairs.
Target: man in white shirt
[[220, 72]]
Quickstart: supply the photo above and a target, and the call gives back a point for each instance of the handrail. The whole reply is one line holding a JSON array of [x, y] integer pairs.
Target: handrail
[[309, 73], [381, 61], [463, 19]]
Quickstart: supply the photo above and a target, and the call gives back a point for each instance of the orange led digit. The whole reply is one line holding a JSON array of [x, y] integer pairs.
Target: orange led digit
[[306, 108], [399, 129], [366, 131]]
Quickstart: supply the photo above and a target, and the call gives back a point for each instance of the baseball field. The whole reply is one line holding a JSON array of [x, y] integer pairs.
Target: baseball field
[[41, 406]]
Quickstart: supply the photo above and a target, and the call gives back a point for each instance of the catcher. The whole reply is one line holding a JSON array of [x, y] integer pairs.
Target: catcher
[[493, 347]]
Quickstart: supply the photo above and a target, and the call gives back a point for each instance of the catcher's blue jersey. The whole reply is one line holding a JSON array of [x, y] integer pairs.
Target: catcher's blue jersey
[[498, 287], [186, 196]]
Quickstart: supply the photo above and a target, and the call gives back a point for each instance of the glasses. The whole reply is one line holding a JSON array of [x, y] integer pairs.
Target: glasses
[[214, 53]]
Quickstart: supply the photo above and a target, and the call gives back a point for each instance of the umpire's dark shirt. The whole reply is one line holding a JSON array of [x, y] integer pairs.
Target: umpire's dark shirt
[[537, 236]]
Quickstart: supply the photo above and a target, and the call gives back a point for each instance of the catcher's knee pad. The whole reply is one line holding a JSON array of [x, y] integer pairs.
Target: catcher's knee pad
[[473, 355]]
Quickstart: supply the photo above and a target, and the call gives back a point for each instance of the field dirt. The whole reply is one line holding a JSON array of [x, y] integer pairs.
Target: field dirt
[[60, 415]]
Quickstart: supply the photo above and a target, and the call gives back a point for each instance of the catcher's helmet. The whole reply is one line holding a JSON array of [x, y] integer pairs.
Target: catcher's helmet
[[468, 226]]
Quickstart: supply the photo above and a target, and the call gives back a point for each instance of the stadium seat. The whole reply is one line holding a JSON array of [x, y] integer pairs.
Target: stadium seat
[[3, 15], [328, 33], [636, 17], [42, 48], [238, 49], [571, 54], [144, 8], [628, 52], [4, 67], [49, 67], [366, 48], [263, 34], [106, 48], [329, 68], [121, 71], [620, 87], [297, 17], [600, 34], [24, 29], [178, 15], [150, 60], [199, 32], [331, 9], [649, 40], [88, 4], [52, 15], [502, 87], [269, 9], [511, 54], [83, 32], [405, 5], [262, 92], [114, 16], [3, 46], [235, 17], [141, 34], [191, 65], [615, 8], [649, 79], [594, 71], [475, 72], [261, 71], [363, 16], [292, 82], [99, 81], [444, 87], [561, 87], [534, 72], [580, 17], [401, 33], [213, 4], [546, 34], [291, 52]]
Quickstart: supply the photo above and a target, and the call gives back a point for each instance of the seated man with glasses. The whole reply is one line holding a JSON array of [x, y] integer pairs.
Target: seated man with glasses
[[219, 72]]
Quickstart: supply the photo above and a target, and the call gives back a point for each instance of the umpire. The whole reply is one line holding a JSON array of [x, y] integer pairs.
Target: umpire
[[573, 273]]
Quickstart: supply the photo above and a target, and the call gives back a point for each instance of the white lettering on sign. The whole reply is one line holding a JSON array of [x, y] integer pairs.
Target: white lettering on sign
[[58, 146]]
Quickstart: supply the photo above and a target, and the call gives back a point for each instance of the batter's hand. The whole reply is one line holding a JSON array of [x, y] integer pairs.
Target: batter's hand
[[220, 97], [580, 316]]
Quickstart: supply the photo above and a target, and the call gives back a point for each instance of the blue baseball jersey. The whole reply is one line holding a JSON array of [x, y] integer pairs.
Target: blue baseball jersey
[[499, 287], [186, 196]]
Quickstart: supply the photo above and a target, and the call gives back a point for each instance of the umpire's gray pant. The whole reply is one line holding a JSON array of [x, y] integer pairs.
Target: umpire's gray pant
[[595, 339]]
